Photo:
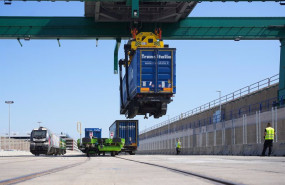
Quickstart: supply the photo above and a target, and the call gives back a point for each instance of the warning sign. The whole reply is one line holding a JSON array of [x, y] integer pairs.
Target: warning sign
[[90, 134]]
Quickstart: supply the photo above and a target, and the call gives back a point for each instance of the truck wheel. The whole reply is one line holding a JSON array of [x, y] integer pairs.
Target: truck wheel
[[157, 114], [163, 109], [132, 153], [130, 114], [133, 110]]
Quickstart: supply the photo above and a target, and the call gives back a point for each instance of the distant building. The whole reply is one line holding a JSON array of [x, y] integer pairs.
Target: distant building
[[20, 136]]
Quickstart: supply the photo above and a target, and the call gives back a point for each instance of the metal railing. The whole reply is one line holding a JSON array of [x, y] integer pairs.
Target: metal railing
[[262, 106], [233, 133], [224, 99]]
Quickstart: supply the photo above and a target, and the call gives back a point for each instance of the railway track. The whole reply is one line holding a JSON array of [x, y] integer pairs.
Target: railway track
[[211, 179], [20, 179], [19, 161]]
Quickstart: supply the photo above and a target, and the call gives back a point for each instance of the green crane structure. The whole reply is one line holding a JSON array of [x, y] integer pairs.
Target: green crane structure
[[102, 23]]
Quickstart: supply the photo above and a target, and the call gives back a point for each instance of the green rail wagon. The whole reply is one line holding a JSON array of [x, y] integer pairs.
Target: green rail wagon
[[98, 146]]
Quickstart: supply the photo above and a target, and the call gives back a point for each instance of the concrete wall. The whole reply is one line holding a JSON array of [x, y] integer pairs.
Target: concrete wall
[[230, 109], [243, 136], [237, 136], [15, 144]]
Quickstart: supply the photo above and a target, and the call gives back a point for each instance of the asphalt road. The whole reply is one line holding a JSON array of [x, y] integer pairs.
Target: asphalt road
[[75, 168]]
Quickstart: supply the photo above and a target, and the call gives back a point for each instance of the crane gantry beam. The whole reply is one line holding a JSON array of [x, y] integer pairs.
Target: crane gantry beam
[[194, 28], [140, 10], [191, 28]]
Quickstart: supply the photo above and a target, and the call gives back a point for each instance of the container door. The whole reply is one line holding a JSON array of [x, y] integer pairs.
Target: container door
[[122, 132], [130, 138], [127, 138], [130, 133], [164, 71], [156, 71], [148, 71], [133, 132]]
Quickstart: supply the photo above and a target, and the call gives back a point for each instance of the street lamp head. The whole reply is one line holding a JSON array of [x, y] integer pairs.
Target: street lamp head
[[9, 102]]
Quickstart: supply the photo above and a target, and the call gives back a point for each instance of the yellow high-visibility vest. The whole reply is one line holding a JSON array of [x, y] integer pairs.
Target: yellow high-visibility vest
[[178, 145], [269, 133]]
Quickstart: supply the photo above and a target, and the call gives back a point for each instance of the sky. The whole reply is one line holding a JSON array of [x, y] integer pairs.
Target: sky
[[60, 86]]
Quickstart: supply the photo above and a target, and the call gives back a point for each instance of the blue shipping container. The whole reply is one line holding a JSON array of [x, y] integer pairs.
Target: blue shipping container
[[96, 132], [127, 129], [151, 73]]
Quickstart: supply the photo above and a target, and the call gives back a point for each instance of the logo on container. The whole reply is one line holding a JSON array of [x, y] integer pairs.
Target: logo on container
[[165, 56]]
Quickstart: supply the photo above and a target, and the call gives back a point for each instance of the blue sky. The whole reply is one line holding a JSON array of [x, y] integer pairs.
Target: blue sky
[[60, 86]]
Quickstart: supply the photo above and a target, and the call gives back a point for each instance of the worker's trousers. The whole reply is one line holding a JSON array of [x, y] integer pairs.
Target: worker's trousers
[[269, 144], [178, 150]]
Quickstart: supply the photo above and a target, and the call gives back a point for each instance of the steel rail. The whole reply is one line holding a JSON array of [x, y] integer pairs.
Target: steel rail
[[39, 174], [216, 180], [34, 159]]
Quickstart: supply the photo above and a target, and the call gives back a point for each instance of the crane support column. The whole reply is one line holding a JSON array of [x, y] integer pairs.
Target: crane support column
[[118, 43], [135, 8], [281, 92]]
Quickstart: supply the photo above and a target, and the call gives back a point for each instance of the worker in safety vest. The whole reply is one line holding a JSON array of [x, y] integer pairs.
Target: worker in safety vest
[[269, 134], [178, 146]]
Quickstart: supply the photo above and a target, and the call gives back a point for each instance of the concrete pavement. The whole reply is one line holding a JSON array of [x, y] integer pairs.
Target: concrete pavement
[[112, 170]]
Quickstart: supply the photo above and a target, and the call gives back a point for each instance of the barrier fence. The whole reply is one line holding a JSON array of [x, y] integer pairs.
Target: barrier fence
[[246, 131], [14, 144], [260, 106]]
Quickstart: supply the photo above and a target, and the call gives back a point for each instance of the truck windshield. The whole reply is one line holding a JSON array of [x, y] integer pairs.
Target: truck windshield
[[39, 134]]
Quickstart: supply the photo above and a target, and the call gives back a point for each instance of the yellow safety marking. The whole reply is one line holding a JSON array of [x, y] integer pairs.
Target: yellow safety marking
[[144, 89], [167, 89]]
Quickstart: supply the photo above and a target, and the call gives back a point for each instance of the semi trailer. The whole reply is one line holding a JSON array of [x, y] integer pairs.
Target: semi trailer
[[128, 130], [149, 82]]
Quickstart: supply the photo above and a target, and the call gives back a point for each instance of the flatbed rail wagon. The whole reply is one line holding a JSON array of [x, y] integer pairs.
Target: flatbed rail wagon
[[93, 144]]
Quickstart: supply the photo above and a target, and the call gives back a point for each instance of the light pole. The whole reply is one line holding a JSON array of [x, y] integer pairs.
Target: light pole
[[79, 129], [39, 122], [9, 103], [220, 94], [168, 143], [168, 124]]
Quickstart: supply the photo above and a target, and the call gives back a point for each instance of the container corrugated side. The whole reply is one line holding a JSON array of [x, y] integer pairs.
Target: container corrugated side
[[151, 71], [157, 70], [96, 132], [127, 129]]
